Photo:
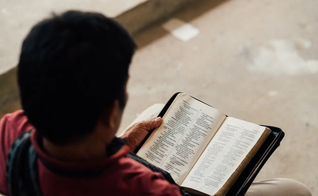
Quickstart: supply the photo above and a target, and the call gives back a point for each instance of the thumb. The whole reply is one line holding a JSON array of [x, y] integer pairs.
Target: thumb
[[151, 123], [157, 122]]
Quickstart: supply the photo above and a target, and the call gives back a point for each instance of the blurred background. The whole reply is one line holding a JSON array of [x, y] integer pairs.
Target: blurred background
[[254, 60]]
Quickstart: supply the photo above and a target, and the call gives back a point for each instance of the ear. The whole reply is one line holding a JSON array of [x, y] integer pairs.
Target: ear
[[111, 117]]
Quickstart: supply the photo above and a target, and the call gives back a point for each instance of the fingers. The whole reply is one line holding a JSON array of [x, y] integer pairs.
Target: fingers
[[135, 137], [136, 133], [150, 124]]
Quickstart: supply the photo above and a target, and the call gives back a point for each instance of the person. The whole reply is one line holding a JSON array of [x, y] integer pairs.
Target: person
[[72, 75]]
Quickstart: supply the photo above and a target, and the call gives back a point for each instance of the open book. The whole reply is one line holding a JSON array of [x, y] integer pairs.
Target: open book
[[205, 151]]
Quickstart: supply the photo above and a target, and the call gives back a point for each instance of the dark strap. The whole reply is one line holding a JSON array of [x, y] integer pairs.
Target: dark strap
[[22, 168]]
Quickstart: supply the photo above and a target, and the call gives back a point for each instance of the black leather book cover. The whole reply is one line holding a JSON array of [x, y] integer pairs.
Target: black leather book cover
[[255, 165]]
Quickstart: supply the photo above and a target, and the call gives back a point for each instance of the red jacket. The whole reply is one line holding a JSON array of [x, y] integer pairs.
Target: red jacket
[[122, 176]]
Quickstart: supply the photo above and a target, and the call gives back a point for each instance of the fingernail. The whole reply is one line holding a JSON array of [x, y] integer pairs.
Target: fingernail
[[157, 119]]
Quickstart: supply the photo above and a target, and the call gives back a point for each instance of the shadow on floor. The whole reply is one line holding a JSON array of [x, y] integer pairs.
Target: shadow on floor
[[155, 31]]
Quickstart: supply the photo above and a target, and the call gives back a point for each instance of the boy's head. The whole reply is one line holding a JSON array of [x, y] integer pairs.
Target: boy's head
[[72, 68]]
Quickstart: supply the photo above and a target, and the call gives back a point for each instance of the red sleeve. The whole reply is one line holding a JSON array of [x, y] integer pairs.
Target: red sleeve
[[161, 187], [153, 184], [11, 126]]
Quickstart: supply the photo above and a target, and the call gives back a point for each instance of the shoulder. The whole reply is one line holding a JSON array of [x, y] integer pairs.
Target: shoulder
[[143, 181], [11, 126], [16, 120]]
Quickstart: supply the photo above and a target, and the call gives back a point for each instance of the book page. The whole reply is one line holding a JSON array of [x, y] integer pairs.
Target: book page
[[222, 159], [187, 128]]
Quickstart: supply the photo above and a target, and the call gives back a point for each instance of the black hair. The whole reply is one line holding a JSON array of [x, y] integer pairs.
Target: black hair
[[71, 68]]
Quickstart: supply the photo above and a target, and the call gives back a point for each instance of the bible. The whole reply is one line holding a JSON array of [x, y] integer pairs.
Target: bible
[[205, 151]]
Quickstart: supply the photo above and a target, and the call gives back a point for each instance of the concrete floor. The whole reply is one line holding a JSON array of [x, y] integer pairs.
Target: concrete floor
[[254, 60]]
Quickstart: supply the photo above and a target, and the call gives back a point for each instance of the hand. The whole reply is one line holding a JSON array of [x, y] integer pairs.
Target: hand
[[137, 132]]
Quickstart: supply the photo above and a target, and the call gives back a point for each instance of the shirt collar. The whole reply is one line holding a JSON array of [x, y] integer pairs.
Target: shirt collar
[[116, 150]]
